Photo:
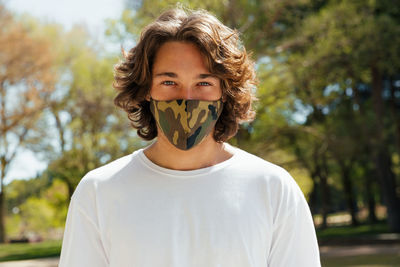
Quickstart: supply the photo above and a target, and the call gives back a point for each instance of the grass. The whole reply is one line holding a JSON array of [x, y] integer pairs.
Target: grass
[[363, 261], [22, 251], [362, 230]]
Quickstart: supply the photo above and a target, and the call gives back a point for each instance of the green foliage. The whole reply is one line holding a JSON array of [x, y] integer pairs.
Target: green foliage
[[84, 130], [261, 23], [13, 224], [18, 191], [344, 39], [89, 131], [41, 215]]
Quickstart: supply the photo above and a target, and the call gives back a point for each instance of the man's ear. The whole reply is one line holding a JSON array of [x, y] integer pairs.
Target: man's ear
[[147, 97], [223, 98]]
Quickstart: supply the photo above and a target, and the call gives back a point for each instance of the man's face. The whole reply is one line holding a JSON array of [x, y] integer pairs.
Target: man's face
[[179, 72]]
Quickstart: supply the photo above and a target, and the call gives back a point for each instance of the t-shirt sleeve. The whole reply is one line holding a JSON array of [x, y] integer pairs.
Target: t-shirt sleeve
[[294, 241], [82, 245]]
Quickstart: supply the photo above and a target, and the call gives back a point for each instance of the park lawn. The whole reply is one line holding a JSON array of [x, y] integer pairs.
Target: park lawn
[[363, 230], [22, 251], [363, 261]]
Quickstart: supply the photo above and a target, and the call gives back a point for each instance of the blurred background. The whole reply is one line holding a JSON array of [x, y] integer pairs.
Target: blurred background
[[328, 112]]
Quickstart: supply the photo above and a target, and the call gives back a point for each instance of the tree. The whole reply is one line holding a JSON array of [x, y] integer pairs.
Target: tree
[[41, 214], [89, 130], [333, 47], [26, 81]]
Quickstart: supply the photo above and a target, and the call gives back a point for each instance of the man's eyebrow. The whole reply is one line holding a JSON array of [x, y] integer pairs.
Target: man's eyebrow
[[174, 75], [169, 74], [206, 75]]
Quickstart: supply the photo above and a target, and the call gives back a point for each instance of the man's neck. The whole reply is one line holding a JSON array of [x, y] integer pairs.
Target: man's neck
[[206, 154]]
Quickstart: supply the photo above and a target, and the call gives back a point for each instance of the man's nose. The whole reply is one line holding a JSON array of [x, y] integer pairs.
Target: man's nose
[[187, 92]]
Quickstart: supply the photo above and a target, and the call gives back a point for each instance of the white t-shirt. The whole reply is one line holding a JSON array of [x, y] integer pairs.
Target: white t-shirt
[[243, 212]]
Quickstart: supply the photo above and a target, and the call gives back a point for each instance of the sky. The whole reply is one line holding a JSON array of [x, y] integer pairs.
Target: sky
[[66, 12], [69, 12]]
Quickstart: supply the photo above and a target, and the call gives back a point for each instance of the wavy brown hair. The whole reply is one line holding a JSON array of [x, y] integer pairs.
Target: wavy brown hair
[[225, 57]]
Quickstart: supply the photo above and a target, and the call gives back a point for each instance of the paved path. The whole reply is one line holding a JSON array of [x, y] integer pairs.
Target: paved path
[[326, 252], [47, 262]]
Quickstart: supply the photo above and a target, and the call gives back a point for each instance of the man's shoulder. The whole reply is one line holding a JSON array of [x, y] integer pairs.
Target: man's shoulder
[[93, 178], [112, 167], [272, 175], [252, 162], [282, 187]]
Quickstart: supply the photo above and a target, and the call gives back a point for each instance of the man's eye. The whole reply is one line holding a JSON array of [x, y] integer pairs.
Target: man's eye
[[168, 83], [204, 83]]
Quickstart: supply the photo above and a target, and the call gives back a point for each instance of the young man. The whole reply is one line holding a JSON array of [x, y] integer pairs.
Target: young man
[[189, 199]]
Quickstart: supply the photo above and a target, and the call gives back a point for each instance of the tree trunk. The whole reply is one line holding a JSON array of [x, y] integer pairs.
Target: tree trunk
[[2, 206], [382, 157], [324, 200], [370, 173], [387, 181], [348, 190], [369, 177], [394, 112], [313, 201], [2, 217], [324, 189], [370, 199]]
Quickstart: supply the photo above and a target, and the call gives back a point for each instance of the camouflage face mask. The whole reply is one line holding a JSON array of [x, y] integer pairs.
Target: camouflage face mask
[[186, 122]]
